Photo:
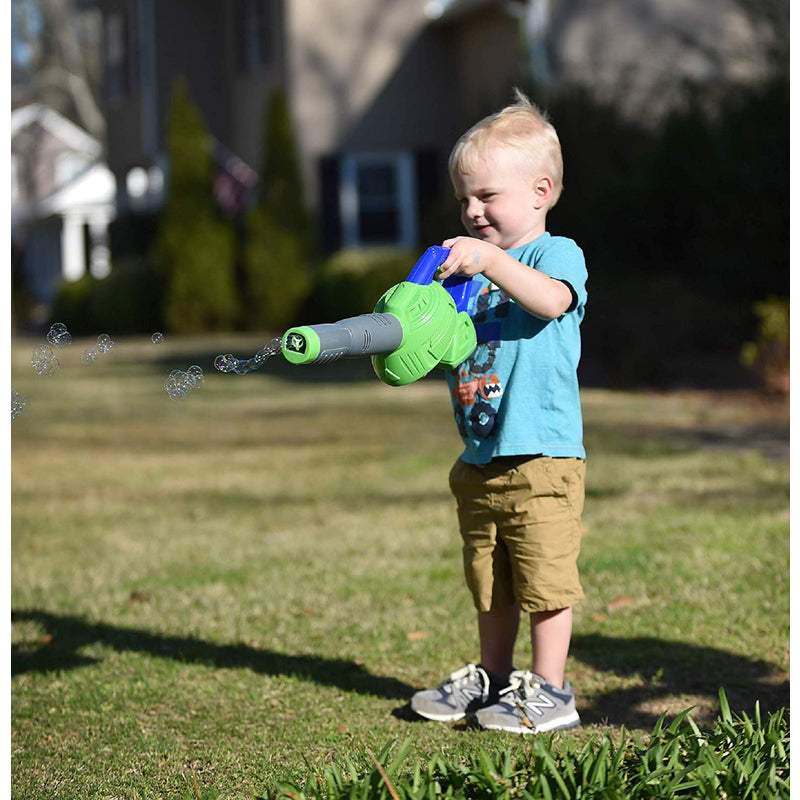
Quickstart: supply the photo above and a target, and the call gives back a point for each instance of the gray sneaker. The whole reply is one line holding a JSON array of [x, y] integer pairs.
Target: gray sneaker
[[463, 693], [530, 705]]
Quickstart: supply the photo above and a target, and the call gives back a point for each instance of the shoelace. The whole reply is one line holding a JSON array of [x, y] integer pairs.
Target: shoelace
[[463, 675], [522, 683]]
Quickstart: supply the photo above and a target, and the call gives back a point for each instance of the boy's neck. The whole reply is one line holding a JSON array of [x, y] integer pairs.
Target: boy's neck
[[532, 238]]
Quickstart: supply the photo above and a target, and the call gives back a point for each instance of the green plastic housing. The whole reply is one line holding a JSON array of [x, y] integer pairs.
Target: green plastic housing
[[435, 333]]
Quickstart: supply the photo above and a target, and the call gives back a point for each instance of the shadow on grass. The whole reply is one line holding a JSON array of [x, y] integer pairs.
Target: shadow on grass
[[671, 676], [666, 675], [65, 635]]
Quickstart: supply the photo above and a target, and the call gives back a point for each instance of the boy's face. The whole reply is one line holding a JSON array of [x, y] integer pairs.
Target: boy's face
[[501, 199]]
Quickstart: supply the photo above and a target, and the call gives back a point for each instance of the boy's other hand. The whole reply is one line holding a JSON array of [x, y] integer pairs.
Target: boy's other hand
[[467, 256]]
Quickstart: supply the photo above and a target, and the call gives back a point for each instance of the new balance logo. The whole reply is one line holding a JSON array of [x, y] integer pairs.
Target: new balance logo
[[536, 705]]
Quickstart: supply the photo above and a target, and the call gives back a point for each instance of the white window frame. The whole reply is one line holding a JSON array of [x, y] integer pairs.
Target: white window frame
[[256, 24], [350, 204], [14, 169]]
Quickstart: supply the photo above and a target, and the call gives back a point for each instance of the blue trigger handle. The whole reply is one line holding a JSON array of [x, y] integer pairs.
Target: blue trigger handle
[[459, 287]]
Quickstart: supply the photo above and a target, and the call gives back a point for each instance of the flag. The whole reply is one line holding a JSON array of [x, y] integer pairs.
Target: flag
[[234, 182]]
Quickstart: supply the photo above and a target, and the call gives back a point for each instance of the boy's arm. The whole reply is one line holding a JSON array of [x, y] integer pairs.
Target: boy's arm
[[537, 293]]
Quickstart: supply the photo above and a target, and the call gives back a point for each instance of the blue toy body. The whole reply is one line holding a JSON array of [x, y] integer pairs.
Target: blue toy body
[[459, 287]]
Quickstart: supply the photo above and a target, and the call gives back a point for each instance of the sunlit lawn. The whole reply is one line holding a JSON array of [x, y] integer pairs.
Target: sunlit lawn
[[245, 585]]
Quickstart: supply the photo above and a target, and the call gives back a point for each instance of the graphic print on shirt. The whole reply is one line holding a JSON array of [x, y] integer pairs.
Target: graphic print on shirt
[[477, 385]]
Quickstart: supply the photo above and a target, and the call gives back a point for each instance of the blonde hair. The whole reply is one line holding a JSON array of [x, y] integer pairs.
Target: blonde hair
[[521, 127]]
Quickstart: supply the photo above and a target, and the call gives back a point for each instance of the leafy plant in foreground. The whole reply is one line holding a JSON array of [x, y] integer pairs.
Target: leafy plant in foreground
[[740, 757]]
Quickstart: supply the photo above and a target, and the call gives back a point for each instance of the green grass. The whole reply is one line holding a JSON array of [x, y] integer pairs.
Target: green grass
[[218, 595], [739, 757]]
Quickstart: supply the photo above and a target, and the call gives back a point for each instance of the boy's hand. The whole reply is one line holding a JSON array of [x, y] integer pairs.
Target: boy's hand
[[540, 295], [467, 256]]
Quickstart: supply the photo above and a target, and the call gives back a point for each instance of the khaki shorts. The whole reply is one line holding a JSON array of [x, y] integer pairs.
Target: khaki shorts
[[520, 519]]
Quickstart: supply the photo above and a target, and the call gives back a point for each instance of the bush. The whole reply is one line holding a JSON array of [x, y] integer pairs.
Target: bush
[[278, 232], [278, 277], [768, 355], [351, 281], [194, 249], [73, 305], [664, 209], [659, 330], [127, 301]]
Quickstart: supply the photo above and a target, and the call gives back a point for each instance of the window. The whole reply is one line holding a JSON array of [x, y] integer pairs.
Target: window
[[253, 32], [377, 199]]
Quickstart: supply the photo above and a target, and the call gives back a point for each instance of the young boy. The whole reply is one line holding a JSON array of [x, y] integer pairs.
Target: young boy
[[519, 484]]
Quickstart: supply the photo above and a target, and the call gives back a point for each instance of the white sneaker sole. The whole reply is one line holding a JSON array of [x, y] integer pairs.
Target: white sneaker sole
[[439, 717], [571, 721]]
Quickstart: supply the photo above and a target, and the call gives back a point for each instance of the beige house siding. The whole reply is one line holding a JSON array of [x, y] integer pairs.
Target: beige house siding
[[341, 56]]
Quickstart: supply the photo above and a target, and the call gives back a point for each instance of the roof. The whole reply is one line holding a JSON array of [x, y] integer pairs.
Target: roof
[[89, 186], [447, 10], [56, 125]]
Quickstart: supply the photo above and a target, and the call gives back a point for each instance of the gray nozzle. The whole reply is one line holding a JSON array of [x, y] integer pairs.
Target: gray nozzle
[[364, 335]]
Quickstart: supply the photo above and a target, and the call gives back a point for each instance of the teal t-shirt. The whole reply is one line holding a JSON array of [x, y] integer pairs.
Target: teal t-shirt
[[518, 393]]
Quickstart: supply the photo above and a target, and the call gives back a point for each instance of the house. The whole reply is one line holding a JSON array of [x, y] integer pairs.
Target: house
[[62, 201], [377, 91], [380, 89]]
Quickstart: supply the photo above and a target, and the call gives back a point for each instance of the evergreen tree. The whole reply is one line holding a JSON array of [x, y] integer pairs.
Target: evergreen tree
[[194, 248], [278, 230]]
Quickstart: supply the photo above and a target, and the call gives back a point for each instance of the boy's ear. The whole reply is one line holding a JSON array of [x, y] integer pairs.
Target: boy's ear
[[542, 191]]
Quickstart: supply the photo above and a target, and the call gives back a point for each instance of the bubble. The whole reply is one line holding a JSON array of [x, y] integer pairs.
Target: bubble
[[105, 343], [229, 363], [157, 338], [58, 335], [178, 384], [195, 374], [18, 403], [44, 361], [226, 363], [90, 355], [274, 346]]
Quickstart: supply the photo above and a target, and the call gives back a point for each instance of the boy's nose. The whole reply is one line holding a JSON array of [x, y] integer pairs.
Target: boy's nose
[[474, 208]]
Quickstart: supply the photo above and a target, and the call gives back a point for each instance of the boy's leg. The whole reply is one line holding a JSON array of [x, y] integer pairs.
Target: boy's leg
[[497, 631], [551, 632]]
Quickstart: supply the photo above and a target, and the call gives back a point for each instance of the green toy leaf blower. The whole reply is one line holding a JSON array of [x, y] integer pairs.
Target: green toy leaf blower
[[417, 325]]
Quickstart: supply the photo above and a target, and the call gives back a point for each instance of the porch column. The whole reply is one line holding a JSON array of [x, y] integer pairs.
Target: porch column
[[73, 252], [99, 255]]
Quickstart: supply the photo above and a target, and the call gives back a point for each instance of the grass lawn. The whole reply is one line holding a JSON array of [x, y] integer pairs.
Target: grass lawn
[[215, 594]]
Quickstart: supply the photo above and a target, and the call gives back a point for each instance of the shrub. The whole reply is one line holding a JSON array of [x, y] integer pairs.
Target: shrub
[[277, 232], [351, 281], [768, 355], [127, 301], [73, 305], [194, 248]]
